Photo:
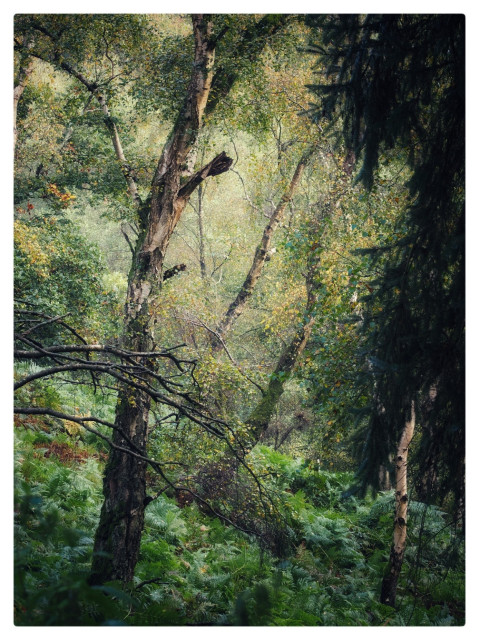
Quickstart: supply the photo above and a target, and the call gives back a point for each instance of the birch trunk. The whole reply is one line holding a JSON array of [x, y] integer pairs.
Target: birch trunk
[[118, 536], [390, 580], [236, 308]]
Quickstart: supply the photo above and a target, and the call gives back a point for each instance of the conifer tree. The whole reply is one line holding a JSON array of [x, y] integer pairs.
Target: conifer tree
[[398, 82]]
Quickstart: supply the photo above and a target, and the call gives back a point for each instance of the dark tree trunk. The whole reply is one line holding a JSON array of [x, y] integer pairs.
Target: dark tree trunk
[[427, 483], [118, 537], [390, 581], [384, 478]]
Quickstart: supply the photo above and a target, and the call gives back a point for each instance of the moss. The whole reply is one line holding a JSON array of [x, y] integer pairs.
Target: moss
[[259, 419]]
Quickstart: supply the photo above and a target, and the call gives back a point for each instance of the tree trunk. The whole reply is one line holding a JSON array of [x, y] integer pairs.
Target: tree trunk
[[262, 251], [390, 580], [120, 155], [24, 71], [118, 536], [201, 234], [260, 418], [427, 483], [384, 478]]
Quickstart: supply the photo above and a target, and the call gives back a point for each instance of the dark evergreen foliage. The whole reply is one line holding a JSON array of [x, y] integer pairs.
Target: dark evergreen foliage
[[399, 81]]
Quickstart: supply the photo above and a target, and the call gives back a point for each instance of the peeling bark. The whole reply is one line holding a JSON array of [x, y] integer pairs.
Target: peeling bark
[[390, 580], [118, 536]]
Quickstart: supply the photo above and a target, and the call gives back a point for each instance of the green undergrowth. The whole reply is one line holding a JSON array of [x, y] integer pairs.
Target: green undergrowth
[[196, 570]]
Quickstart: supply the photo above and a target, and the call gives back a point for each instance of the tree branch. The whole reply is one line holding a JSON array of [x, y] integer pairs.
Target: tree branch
[[218, 165], [125, 235], [237, 306], [173, 271]]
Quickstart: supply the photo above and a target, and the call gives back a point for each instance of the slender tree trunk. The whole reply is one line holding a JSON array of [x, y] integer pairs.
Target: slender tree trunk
[[201, 233], [384, 475], [116, 141], [25, 70], [384, 478], [118, 536], [427, 484], [390, 580], [262, 250], [260, 418]]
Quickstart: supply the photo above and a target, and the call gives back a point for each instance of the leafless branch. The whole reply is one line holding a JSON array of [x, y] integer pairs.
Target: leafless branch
[[125, 235]]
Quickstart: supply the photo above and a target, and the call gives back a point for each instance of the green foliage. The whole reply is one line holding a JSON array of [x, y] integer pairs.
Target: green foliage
[[55, 512], [58, 272], [306, 551], [194, 569]]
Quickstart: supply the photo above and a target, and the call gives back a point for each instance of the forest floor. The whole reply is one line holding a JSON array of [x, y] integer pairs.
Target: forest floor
[[195, 570]]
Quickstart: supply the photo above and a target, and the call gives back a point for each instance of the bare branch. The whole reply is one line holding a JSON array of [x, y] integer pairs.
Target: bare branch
[[41, 324], [218, 165], [125, 235], [199, 323], [173, 271]]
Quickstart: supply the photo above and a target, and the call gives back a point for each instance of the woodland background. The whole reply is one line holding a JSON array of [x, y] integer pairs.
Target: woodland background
[[239, 319]]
